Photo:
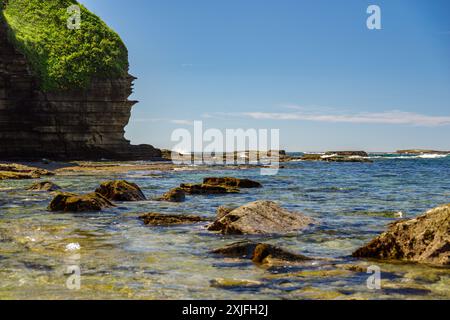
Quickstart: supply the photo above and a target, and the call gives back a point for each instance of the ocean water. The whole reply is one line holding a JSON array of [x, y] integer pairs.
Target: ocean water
[[119, 257]]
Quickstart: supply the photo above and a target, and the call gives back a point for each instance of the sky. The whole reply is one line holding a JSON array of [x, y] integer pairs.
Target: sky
[[310, 68]]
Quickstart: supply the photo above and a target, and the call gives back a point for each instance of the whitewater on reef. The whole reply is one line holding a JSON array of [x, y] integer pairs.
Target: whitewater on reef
[[120, 257]]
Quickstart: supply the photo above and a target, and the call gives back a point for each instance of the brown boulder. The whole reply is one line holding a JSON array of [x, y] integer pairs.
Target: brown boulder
[[44, 186], [69, 202], [202, 189], [260, 253], [260, 217], [158, 219], [232, 182], [425, 239], [174, 195], [120, 190]]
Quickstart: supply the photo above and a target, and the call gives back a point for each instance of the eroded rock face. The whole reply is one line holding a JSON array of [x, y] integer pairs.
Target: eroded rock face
[[174, 195], [232, 182], [260, 217], [71, 125], [203, 189], [425, 239], [158, 219], [44, 186], [70, 202], [121, 190], [260, 253]]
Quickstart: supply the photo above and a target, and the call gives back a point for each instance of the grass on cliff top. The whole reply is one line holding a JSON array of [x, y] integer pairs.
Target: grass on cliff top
[[63, 58]]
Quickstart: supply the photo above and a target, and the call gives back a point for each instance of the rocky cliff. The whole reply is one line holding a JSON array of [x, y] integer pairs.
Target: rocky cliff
[[76, 124]]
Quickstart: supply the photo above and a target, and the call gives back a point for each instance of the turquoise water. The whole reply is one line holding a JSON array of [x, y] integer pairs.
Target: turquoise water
[[119, 257]]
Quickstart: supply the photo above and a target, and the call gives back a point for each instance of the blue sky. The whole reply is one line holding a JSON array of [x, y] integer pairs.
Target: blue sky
[[308, 67]]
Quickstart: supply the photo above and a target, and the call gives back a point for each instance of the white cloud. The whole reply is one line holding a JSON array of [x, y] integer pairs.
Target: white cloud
[[182, 122], [174, 121], [388, 117]]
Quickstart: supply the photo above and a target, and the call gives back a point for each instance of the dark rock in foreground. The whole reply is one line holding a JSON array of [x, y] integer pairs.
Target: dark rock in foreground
[[204, 189], [174, 195], [158, 219], [260, 217], [44, 186], [232, 182], [260, 253], [121, 190], [69, 202], [425, 239]]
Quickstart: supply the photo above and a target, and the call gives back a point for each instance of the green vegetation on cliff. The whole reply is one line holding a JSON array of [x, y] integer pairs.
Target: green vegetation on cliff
[[64, 58]]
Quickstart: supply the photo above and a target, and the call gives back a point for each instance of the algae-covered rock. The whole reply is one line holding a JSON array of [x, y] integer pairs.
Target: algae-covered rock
[[44, 186], [174, 195], [425, 239], [232, 182], [260, 217], [259, 253], [69, 202], [159, 219], [235, 283], [15, 171], [205, 189], [121, 190]]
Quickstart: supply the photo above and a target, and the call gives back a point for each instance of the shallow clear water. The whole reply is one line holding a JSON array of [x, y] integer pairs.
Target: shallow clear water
[[120, 257]]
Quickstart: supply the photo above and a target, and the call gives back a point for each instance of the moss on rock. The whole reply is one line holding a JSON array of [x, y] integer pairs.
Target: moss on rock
[[64, 58]]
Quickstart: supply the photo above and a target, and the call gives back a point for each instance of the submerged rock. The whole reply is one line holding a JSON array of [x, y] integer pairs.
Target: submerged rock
[[425, 239], [120, 190], [17, 171], [235, 283], [44, 186], [260, 217], [70, 202], [174, 195], [203, 189], [260, 253], [158, 219], [232, 182]]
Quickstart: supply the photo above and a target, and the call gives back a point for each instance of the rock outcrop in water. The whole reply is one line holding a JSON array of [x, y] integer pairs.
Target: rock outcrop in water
[[174, 195], [70, 202], [159, 219], [47, 186], [260, 217], [18, 172], [76, 124], [232, 182], [421, 152], [121, 190], [338, 156], [260, 253], [425, 239]]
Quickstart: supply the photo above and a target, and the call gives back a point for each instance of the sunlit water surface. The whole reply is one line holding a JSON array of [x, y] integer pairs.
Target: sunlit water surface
[[119, 257]]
